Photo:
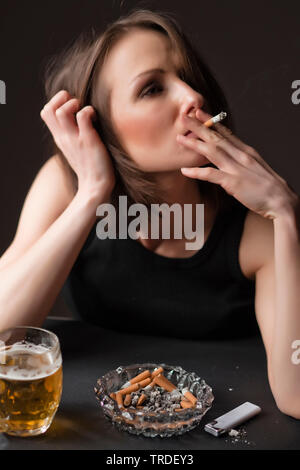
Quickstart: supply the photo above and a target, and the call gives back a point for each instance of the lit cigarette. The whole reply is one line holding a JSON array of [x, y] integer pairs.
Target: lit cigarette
[[215, 119], [156, 372], [127, 400], [163, 382], [189, 396], [186, 404], [137, 378], [119, 399], [141, 399]]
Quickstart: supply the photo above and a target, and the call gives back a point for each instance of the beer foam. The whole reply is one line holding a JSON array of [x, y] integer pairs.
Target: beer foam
[[39, 362]]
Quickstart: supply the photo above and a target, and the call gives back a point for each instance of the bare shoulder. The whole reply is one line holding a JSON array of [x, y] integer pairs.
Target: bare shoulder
[[257, 243]]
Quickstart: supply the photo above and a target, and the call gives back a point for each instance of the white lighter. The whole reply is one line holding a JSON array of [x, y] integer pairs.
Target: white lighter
[[234, 417]]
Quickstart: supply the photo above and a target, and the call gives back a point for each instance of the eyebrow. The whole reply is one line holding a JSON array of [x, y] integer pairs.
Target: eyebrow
[[146, 72]]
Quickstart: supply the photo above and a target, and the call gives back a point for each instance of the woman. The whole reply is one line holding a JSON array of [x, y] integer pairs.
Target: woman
[[115, 127]]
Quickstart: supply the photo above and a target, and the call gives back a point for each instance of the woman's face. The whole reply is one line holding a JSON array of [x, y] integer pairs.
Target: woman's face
[[146, 108]]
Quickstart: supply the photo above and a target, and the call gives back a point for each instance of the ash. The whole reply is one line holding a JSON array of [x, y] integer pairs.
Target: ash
[[158, 399], [239, 436]]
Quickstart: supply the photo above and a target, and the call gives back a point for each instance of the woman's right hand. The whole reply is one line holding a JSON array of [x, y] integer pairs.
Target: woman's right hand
[[80, 142]]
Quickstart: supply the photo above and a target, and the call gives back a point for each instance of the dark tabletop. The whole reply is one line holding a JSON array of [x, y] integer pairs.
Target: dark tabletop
[[235, 369]]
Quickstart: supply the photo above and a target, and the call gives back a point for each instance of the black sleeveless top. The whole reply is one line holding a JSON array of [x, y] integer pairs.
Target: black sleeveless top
[[120, 284]]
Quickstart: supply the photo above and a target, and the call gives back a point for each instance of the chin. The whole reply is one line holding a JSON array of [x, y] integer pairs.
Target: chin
[[189, 158], [199, 160]]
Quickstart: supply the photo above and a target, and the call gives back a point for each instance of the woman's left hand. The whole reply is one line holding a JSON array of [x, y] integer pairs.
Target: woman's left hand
[[241, 171]]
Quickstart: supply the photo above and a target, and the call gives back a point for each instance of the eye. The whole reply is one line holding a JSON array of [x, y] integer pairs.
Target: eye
[[149, 89]]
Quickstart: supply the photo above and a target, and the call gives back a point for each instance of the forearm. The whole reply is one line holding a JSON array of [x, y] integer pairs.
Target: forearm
[[286, 373], [30, 285]]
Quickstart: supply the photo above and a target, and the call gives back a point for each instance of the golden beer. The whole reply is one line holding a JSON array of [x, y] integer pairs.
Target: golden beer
[[30, 388]]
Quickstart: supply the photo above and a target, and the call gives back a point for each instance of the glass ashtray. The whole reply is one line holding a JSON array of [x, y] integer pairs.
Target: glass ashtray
[[154, 423]]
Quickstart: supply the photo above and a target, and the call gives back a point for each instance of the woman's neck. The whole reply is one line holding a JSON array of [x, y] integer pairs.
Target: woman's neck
[[178, 189]]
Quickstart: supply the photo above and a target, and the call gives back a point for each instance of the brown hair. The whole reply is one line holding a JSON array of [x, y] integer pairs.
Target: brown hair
[[76, 69]]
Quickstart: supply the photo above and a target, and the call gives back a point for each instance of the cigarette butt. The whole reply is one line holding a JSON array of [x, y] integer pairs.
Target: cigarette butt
[[144, 382], [131, 388], [184, 399], [113, 395], [156, 372], [137, 378], [141, 399], [151, 385], [186, 404], [189, 396], [219, 117], [162, 381], [119, 399], [127, 399]]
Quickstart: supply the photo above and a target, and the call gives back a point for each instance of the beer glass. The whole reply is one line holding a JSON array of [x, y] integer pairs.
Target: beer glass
[[30, 380]]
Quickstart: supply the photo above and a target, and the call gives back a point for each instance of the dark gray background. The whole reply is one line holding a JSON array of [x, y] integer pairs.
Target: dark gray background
[[253, 48]]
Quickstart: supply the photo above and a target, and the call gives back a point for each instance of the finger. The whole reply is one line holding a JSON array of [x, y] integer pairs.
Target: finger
[[211, 136], [65, 115], [58, 99], [48, 112], [223, 130], [84, 119], [206, 174], [214, 154], [228, 134]]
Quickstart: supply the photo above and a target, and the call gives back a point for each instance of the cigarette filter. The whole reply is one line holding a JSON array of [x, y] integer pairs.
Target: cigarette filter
[[215, 119], [144, 382], [119, 399], [137, 378], [127, 400], [189, 396], [156, 372], [131, 388], [231, 419], [141, 399], [162, 381], [186, 404]]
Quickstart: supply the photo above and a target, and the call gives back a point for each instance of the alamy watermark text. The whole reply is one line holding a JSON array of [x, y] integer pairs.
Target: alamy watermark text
[[182, 226]]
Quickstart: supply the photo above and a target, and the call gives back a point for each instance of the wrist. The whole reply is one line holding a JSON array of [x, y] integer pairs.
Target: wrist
[[289, 208], [94, 195], [289, 219]]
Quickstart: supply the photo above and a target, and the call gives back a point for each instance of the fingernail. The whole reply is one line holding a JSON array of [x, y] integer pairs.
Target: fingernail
[[185, 170]]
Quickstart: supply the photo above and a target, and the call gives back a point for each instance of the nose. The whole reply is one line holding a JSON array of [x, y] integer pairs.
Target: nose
[[191, 100]]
